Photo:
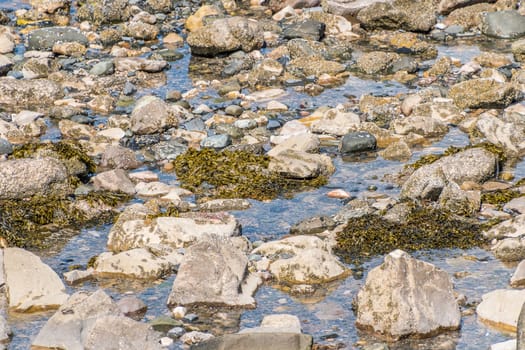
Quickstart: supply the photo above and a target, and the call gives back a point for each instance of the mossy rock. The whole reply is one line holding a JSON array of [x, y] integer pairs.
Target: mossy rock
[[28, 223], [424, 228], [235, 174], [70, 153]]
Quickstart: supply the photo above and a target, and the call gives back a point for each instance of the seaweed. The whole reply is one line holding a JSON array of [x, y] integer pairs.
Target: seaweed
[[424, 228], [235, 174]]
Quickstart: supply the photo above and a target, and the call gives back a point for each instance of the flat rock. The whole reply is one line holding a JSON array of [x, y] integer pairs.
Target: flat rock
[[405, 296], [31, 284], [358, 141], [115, 180], [135, 263], [126, 64], [19, 94], [336, 121], [212, 272], [348, 7], [483, 93], [301, 165], [278, 323], [503, 24], [257, 341], [151, 115], [501, 308], [46, 38]]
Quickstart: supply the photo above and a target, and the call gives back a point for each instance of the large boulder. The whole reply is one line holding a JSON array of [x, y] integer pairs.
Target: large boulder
[[503, 24], [213, 272], [152, 115], [20, 94], [31, 284], [501, 308], [483, 93], [405, 296], [46, 38], [417, 16], [21, 178], [226, 35], [175, 232], [427, 182], [301, 260]]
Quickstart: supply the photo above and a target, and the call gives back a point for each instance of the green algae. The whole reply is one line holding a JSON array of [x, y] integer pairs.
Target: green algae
[[424, 228], [500, 197], [235, 174]]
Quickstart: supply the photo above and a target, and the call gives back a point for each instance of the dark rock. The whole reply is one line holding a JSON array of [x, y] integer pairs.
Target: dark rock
[[45, 38], [307, 29], [257, 341], [168, 150], [313, 225], [5, 146], [195, 124], [357, 142]]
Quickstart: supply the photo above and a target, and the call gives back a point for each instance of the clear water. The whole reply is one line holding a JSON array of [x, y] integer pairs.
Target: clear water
[[329, 318]]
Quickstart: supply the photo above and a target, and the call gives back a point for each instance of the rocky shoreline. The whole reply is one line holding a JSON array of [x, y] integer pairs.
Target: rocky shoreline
[[92, 125]]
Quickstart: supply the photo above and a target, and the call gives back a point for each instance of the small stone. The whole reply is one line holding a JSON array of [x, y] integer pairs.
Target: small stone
[[179, 312], [339, 194], [102, 68], [166, 341], [216, 141], [357, 142], [234, 110]]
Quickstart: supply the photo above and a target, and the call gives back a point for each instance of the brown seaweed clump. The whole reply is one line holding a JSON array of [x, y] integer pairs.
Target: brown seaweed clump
[[424, 228], [235, 174]]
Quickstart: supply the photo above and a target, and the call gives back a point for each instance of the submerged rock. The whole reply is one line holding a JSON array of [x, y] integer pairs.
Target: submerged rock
[[226, 35], [213, 272], [31, 284], [404, 297]]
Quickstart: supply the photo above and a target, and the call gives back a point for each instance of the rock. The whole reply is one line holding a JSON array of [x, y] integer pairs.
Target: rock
[[258, 341], [506, 345], [195, 21], [76, 276], [518, 50], [126, 64], [119, 332], [219, 141], [516, 205], [5, 331], [228, 204], [399, 151], [152, 189], [16, 95], [280, 323], [7, 43], [518, 278], [114, 180], [142, 31], [520, 336], [35, 68], [508, 135], [509, 239], [447, 6], [416, 16], [6, 64], [357, 142], [5, 147], [421, 125], [377, 62], [46, 38], [118, 157], [348, 7], [427, 182], [104, 11], [405, 296], [31, 284], [501, 308], [195, 337], [336, 121], [212, 272], [301, 260], [22, 178], [102, 68], [301, 165], [64, 329], [152, 115], [454, 199], [314, 225], [305, 29], [226, 35], [306, 66], [74, 49], [136, 263], [503, 24], [483, 93], [304, 142], [134, 231]]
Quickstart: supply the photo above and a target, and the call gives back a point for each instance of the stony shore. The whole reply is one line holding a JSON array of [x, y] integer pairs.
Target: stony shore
[[86, 139]]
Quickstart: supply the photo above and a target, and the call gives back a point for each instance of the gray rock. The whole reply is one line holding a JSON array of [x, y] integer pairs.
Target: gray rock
[[377, 62], [133, 64], [168, 150], [228, 204], [357, 142], [501, 308], [421, 125], [114, 180], [313, 225], [520, 341], [118, 157], [427, 182], [16, 95], [45, 38], [405, 296], [212, 272], [105, 11], [503, 24], [483, 93], [301, 165], [5, 331], [417, 16], [31, 284], [103, 68], [135, 263], [216, 141], [152, 115], [348, 7], [5, 147], [234, 110], [306, 29], [257, 341], [226, 35], [21, 178]]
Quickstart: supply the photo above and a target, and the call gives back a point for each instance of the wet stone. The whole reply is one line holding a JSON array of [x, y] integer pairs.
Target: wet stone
[[503, 24], [102, 68], [313, 225], [357, 142], [216, 141], [307, 29], [44, 39], [5, 147]]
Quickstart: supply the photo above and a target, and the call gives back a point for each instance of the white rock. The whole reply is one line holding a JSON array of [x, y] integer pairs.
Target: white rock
[[518, 277], [179, 312], [336, 121], [195, 337], [152, 189], [112, 133], [501, 308], [405, 296], [5, 331], [265, 95], [276, 106], [289, 129], [301, 165], [279, 323], [506, 345], [7, 45], [31, 284], [114, 180], [516, 205], [304, 142], [26, 117], [144, 176], [136, 263]]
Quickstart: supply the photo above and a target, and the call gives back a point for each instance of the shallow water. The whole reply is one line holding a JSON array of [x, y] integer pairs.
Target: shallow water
[[330, 318]]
